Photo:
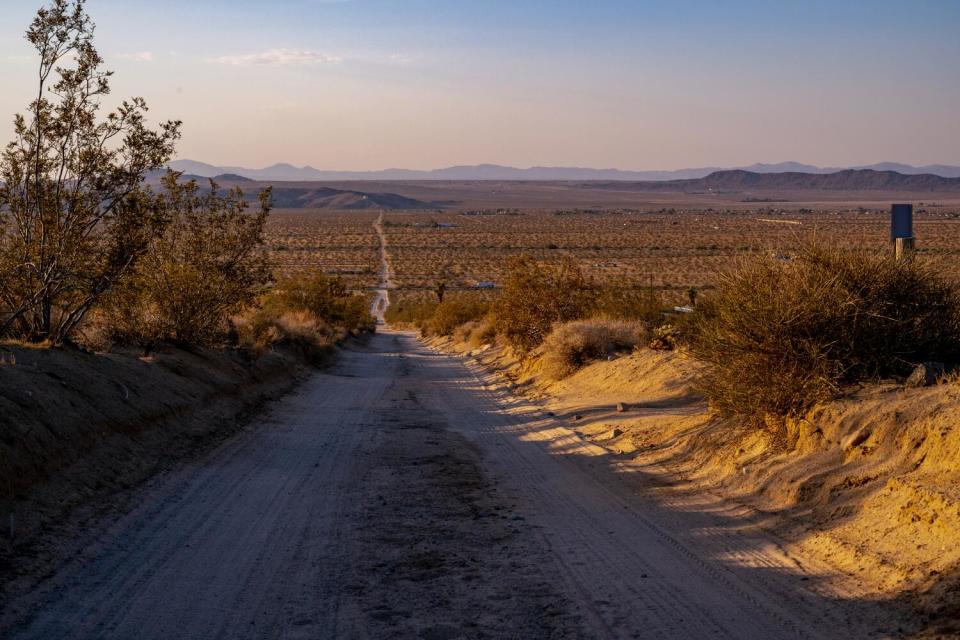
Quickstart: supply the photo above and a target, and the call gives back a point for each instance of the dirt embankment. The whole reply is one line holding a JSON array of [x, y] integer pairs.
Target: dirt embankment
[[78, 428], [870, 483]]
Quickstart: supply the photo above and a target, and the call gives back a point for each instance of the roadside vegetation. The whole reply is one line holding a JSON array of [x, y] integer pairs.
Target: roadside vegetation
[[89, 254], [778, 334]]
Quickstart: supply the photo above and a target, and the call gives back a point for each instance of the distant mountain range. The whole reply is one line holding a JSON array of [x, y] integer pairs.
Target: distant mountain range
[[288, 172], [740, 181]]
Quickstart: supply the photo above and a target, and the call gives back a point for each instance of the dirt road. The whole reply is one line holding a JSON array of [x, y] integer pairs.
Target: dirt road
[[381, 297], [399, 496]]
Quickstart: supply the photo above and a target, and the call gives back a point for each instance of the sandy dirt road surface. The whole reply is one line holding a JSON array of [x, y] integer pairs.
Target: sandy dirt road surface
[[399, 495]]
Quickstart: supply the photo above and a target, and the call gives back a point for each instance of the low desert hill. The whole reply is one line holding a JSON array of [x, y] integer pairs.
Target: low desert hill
[[329, 198], [308, 195], [846, 180]]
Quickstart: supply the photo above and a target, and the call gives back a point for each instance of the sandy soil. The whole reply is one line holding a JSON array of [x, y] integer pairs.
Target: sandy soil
[[867, 485], [401, 494]]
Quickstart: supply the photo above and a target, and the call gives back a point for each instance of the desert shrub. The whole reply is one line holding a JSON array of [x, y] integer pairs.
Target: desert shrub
[[204, 267], [482, 333], [462, 333], [572, 345], [537, 295], [451, 313], [778, 335], [325, 297], [476, 333], [666, 337], [74, 217], [262, 329], [410, 312]]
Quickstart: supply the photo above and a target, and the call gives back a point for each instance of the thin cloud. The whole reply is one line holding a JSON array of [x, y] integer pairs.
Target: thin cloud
[[139, 56], [278, 57], [401, 58]]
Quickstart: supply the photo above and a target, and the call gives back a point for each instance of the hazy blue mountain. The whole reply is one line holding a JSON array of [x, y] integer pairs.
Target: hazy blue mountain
[[943, 170], [288, 172], [784, 167], [740, 181]]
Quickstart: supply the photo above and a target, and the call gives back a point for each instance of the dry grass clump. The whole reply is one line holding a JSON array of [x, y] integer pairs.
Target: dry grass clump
[[476, 333], [779, 335], [308, 312], [300, 331], [572, 345]]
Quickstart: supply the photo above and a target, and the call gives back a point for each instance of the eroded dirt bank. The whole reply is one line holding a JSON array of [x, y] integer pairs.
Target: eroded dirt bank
[[78, 430], [868, 485], [402, 495]]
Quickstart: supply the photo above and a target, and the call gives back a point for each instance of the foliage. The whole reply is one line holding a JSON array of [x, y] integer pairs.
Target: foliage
[[410, 312], [205, 266], [537, 295], [326, 298], [572, 345], [779, 335], [74, 215], [666, 337], [451, 313], [262, 329]]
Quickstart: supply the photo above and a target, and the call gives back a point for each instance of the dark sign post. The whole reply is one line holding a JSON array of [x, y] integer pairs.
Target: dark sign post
[[901, 229]]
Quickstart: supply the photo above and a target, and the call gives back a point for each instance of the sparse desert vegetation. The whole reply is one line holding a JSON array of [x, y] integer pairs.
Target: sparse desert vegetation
[[779, 335], [712, 405], [673, 248]]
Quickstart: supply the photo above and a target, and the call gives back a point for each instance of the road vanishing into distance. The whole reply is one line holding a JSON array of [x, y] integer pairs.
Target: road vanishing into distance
[[401, 495], [404, 493]]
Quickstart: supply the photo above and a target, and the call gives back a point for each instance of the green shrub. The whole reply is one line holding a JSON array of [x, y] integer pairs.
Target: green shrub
[[777, 335], [572, 345]]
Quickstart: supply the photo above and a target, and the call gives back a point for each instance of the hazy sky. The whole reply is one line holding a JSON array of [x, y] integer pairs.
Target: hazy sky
[[367, 84]]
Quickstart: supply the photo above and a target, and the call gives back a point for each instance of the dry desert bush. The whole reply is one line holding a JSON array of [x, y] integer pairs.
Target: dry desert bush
[[422, 311], [572, 345], [780, 334], [325, 297], [536, 296], [452, 313], [205, 266], [308, 311]]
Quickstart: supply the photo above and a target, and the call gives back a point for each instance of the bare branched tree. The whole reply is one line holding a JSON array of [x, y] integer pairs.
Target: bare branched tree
[[74, 216]]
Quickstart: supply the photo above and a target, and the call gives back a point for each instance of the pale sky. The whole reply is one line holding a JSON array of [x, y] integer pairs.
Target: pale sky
[[420, 84]]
